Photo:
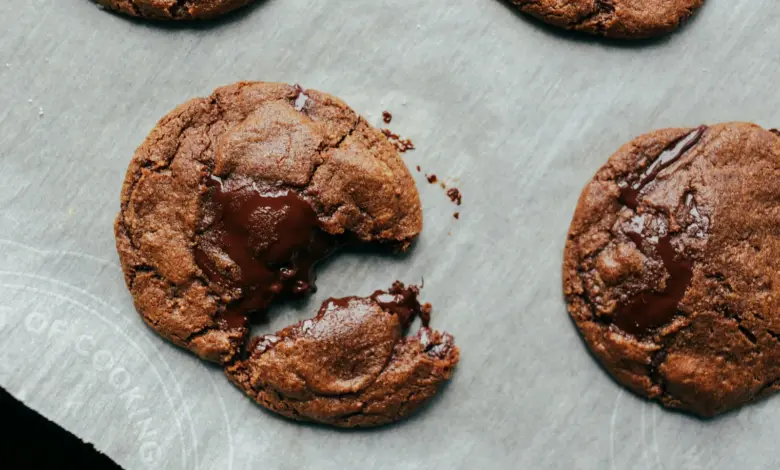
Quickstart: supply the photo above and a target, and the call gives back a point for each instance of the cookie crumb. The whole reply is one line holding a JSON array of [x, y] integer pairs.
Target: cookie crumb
[[431, 178], [418, 168], [425, 313], [387, 117], [443, 186], [456, 215], [402, 145], [455, 195]]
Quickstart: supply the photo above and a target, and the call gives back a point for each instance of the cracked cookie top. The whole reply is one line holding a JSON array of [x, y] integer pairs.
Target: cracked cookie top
[[232, 199], [350, 366], [671, 262], [174, 9], [624, 19]]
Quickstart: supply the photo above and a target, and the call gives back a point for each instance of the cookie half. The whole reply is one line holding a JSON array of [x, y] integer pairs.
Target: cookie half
[[350, 366], [672, 265], [232, 200], [174, 9], [623, 19]]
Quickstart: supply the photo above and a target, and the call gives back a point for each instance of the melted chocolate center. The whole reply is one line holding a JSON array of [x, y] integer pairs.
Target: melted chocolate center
[[263, 241], [646, 311], [649, 310]]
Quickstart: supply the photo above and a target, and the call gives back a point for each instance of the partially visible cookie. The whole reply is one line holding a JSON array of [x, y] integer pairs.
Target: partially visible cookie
[[174, 9], [672, 266], [624, 19], [232, 200], [350, 366]]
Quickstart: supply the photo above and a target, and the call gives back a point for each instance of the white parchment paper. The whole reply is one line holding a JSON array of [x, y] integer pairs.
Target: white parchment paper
[[517, 115]]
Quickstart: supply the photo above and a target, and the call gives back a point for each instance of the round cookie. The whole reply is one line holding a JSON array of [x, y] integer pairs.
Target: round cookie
[[174, 9], [671, 264], [232, 200], [350, 366], [624, 19]]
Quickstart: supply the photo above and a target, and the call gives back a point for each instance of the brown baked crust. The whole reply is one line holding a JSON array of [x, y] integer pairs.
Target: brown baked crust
[[174, 9], [719, 205], [349, 366], [302, 140], [623, 19]]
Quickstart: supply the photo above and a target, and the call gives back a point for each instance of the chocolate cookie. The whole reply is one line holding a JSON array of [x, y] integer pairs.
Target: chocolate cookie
[[671, 265], [232, 199], [350, 366], [625, 19], [174, 9]]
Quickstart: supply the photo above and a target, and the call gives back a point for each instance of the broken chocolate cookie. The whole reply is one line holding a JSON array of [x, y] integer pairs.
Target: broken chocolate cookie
[[350, 366], [232, 200]]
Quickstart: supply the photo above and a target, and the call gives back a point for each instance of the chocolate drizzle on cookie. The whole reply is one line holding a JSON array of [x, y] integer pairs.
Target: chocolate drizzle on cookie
[[264, 241], [647, 311]]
